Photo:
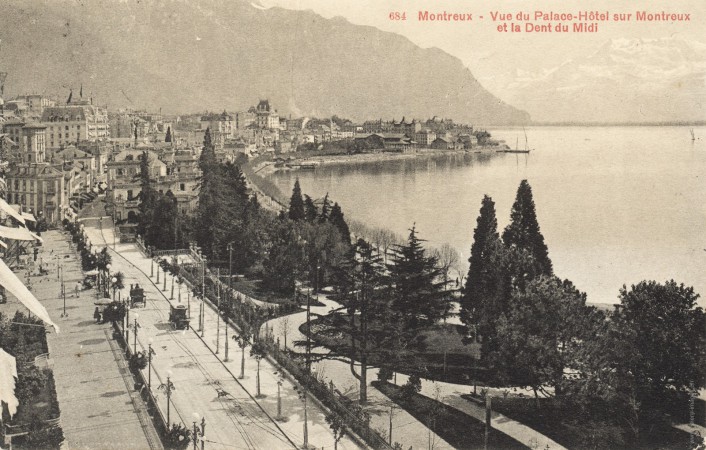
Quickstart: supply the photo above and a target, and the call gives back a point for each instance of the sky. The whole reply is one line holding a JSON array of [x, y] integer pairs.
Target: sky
[[488, 52]]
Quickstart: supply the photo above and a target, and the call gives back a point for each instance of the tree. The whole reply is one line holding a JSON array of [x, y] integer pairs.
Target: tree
[[416, 294], [257, 351], [338, 427], [242, 338], [644, 358], [281, 264], [296, 203], [337, 220], [147, 196], [325, 210], [168, 137], [311, 212], [538, 334], [523, 231], [360, 281]]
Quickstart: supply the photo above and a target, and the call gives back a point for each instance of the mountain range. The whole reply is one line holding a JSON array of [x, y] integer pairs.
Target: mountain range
[[625, 80], [192, 56]]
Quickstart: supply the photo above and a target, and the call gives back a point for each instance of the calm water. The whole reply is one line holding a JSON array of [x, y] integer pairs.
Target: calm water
[[615, 205]]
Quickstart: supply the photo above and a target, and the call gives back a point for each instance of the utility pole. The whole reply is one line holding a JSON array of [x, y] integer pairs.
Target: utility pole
[[203, 293], [218, 310], [308, 334], [230, 290]]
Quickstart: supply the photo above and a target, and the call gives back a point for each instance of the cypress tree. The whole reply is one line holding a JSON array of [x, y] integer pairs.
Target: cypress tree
[[337, 220], [484, 235], [296, 203], [523, 231], [147, 197], [311, 212], [168, 137], [207, 160], [325, 210]]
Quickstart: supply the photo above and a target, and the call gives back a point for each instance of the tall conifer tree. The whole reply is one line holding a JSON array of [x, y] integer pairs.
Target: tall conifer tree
[[296, 203], [523, 231]]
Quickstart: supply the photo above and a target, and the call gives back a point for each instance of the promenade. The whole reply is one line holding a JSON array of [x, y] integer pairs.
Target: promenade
[[99, 407], [204, 383]]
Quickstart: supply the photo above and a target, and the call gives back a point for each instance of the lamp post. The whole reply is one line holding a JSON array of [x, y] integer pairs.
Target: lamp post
[[63, 294], [198, 433], [158, 272], [150, 352], [168, 387], [171, 296], [106, 280], [137, 325], [178, 281], [114, 281]]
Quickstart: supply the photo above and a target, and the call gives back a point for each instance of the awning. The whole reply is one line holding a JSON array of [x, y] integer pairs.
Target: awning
[[91, 272], [14, 286], [8, 375], [18, 234], [3, 245], [28, 216], [4, 206], [36, 237]]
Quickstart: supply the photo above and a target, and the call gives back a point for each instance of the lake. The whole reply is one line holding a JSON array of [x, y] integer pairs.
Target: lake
[[616, 205]]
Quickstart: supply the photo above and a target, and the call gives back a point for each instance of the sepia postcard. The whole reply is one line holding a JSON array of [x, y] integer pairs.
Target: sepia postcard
[[342, 224]]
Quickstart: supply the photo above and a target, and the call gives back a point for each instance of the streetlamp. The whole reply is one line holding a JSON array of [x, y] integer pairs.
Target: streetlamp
[[178, 281], [150, 352], [168, 387], [198, 432], [114, 280], [137, 325], [106, 280]]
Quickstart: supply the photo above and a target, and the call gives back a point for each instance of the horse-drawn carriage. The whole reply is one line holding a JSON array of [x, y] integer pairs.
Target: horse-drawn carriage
[[178, 317], [137, 296]]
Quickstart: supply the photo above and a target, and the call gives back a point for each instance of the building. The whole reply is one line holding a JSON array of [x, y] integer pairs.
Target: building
[[75, 122], [32, 182], [124, 184], [442, 143], [424, 138], [267, 118], [244, 119]]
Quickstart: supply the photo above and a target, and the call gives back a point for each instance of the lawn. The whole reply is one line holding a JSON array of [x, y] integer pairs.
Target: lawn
[[458, 429], [442, 354], [563, 425]]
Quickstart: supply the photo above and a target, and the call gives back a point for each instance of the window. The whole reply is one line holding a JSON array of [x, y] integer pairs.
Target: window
[[182, 187], [66, 128], [129, 195]]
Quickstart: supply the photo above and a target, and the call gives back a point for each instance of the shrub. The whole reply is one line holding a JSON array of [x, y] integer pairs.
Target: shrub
[[177, 438]]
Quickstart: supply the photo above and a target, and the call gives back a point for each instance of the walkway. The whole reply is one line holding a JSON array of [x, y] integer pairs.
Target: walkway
[[94, 387], [406, 429]]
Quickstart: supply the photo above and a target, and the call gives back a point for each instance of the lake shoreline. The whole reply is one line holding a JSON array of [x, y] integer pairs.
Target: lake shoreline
[[268, 167]]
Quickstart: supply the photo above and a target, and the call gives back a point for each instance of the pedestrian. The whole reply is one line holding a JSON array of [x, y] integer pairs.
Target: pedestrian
[[77, 288], [97, 315]]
